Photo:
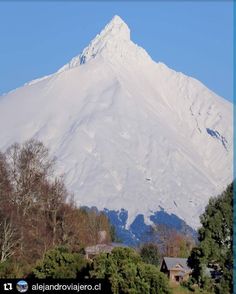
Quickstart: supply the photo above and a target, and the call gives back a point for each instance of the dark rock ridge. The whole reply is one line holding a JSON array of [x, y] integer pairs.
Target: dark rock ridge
[[139, 232]]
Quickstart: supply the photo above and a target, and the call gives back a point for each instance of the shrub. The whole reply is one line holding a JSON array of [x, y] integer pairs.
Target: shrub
[[59, 263], [126, 273]]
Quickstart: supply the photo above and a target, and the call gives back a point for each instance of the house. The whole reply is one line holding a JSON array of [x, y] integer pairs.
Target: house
[[176, 269], [92, 251]]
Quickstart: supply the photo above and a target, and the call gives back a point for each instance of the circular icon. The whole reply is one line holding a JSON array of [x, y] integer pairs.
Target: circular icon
[[22, 286]]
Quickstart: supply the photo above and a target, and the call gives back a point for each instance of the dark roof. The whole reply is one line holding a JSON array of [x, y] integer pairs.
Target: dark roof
[[171, 262]]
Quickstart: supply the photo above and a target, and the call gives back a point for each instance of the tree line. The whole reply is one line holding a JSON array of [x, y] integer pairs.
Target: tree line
[[37, 212]]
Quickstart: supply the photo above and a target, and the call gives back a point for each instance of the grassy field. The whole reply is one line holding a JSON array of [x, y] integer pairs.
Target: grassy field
[[177, 289]]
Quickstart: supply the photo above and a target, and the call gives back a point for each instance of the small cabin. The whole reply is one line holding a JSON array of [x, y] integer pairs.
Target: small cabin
[[93, 251], [176, 269]]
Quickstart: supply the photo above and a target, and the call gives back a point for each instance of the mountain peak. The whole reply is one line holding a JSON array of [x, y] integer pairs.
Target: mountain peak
[[117, 20], [113, 40], [116, 28]]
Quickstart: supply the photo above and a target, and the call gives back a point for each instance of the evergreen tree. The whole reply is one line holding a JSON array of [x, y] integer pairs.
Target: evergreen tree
[[150, 254], [216, 243]]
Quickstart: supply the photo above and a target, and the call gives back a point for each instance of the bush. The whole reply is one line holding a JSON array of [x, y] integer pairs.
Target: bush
[[126, 273], [59, 263], [11, 270]]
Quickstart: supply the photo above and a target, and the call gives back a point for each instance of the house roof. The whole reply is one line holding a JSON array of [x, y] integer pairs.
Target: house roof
[[172, 262], [99, 248]]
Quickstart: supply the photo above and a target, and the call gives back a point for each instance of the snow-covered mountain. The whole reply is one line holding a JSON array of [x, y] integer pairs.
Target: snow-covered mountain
[[128, 133]]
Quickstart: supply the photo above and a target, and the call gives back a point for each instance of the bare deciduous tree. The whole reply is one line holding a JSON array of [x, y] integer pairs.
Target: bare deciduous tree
[[5, 184], [29, 167], [36, 213], [171, 242], [7, 240]]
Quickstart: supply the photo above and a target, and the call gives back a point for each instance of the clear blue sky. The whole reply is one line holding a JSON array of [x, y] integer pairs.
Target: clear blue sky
[[195, 38]]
